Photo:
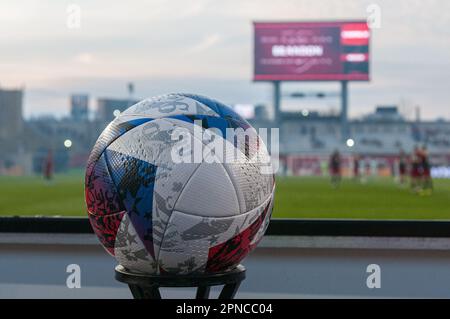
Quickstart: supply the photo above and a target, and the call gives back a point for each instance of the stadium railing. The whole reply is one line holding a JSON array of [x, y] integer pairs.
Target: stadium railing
[[277, 227]]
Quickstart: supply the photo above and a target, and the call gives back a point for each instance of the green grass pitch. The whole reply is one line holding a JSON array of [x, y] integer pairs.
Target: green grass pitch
[[305, 197]]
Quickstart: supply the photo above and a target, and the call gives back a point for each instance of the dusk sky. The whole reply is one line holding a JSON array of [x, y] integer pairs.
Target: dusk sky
[[205, 47]]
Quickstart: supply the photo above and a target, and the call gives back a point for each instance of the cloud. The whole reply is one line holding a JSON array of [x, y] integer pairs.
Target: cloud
[[205, 44], [84, 58]]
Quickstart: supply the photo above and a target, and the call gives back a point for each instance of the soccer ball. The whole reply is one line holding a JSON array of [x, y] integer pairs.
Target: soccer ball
[[160, 210]]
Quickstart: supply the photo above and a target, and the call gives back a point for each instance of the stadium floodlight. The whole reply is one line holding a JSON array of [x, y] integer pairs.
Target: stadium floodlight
[[67, 143], [350, 142], [298, 95], [320, 95]]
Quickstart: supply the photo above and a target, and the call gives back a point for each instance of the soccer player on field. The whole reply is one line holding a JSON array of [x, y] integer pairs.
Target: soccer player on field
[[356, 167], [427, 183], [402, 164], [335, 168], [415, 170], [47, 167]]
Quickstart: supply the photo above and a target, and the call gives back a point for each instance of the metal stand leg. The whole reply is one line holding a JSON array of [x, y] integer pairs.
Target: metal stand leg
[[136, 291], [202, 292], [139, 292], [229, 290]]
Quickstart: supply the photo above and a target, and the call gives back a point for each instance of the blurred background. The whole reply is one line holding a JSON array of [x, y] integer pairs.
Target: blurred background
[[358, 89]]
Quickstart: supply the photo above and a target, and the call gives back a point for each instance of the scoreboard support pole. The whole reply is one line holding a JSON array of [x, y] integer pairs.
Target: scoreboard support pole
[[345, 131], [344, 110], [277, 100]]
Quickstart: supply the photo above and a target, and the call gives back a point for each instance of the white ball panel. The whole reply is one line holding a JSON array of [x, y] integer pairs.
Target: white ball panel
[[265, 224], [250, 174], [168, 105], [188, 238], [145, 142], [209, 192], [252, 186], [129, 250]]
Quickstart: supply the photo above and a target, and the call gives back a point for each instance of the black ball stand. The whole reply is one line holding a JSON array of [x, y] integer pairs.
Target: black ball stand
[[147, 286]]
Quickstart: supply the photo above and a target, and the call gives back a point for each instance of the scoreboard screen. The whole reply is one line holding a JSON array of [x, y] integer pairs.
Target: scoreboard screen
[[311, 51]]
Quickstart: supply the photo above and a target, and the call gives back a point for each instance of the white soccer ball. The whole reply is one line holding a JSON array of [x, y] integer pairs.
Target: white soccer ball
[[168, 191]]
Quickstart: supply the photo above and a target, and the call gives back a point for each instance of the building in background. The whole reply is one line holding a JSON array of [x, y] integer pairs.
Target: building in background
[[14, 159], [79, 107], [109, 108], [386, 113], [261, 112], [11, 120]]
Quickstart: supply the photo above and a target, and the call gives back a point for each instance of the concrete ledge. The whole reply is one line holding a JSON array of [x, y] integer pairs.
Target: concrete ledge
[[47, 239], [345, 242]]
